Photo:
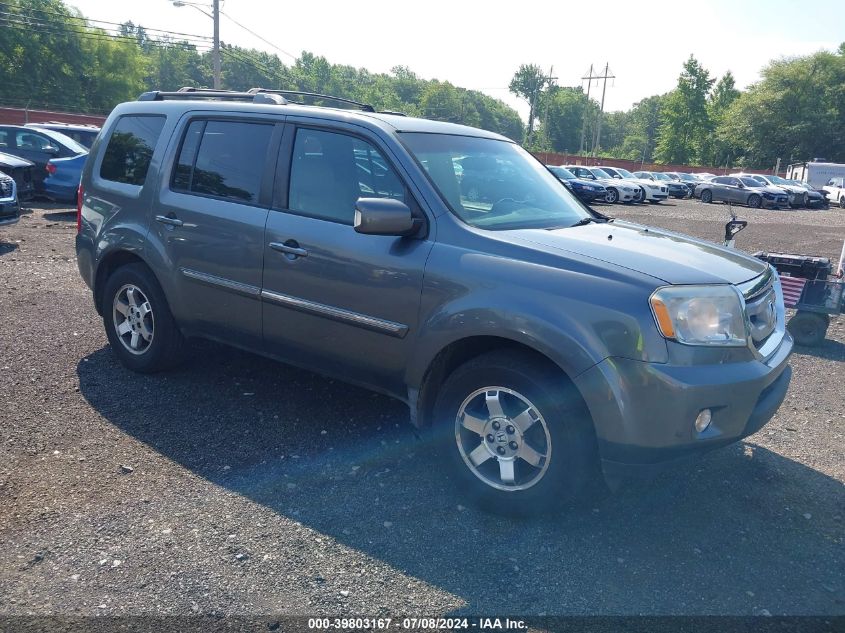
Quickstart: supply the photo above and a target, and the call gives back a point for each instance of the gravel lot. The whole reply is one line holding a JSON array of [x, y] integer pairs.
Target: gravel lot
[[236, 485]]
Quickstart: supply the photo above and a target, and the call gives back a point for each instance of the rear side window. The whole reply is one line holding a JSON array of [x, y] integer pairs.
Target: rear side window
[[130, 149], [223, 159]]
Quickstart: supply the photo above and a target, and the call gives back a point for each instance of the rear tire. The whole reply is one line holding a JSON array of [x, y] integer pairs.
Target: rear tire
[[707, 196], [754, 201], [515, 433], [808, 328], [139, 325], [842, 202]]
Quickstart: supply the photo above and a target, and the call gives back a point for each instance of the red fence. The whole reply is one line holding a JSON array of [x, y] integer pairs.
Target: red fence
[[19, 116], [553, 158]]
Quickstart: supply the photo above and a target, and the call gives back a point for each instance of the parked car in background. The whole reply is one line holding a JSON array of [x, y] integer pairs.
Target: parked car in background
[[488, 179], [62, 179], [616, 191], [704, 176], [674, 188], [585, 190], [38, 146], [650, 191], [815, 199], [85, 135], [741, 190], [688, 179], [797, 196], [10, 206], [835, 191], [21, 171]]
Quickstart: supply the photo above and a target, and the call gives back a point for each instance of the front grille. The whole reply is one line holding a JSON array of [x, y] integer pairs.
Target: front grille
[[5, 186], [761, 307]]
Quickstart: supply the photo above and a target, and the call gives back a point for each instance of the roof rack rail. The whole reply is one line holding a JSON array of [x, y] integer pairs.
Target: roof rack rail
[[365, 107], [189, 93], [393, 112]]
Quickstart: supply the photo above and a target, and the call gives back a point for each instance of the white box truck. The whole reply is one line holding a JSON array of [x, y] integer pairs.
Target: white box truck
[[814, 173]]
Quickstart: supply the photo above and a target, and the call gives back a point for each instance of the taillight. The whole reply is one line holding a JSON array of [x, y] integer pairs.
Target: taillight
[[79, 195], [51, 168]]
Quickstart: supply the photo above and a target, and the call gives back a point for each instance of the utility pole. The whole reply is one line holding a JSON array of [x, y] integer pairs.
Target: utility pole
[[589, 79], [549, 81], [216, 53], [605, 77]]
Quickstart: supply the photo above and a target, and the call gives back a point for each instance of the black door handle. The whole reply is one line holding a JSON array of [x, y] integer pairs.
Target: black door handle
[[290, 247]]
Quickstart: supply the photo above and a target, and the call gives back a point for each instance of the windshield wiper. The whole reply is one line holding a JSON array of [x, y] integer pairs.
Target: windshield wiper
[[585, 221]]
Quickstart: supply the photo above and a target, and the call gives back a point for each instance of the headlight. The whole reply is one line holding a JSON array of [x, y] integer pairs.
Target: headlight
[[700, 315]]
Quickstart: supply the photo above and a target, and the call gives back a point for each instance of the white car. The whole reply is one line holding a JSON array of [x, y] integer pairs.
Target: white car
[[835, 191], [616, 191], [797, 196], [650, 190]]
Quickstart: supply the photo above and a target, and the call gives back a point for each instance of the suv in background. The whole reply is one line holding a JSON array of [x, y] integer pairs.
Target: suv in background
[[835, 191], [38, 146], [537, 340], [85, 135]]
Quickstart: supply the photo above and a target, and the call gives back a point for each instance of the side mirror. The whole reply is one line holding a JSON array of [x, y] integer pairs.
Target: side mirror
[[385, 216], [51, 150]]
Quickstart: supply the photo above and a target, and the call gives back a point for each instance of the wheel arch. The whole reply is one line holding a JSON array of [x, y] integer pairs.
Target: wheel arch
[[107, 265], [456, 353]]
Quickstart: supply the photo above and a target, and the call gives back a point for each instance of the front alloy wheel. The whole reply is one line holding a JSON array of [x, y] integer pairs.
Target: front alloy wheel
[[503, 439], [612, 196]]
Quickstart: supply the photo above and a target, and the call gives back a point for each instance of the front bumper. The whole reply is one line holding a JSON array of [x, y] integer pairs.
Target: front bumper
[[644, 412], [591, 196]]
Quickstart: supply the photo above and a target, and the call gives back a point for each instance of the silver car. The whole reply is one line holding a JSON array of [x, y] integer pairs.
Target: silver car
[[741, 190]]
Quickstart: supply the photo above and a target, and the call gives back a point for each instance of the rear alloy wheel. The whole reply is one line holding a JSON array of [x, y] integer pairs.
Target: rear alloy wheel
[[612, 195], [138, 322], [842, 202], [755, 201], [515, 433], [707, 196]]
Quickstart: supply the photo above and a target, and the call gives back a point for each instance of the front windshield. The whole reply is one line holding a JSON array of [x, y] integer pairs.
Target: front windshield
[[502, 187], [562, 172], [778, 180], [661, 176], [750, 182], [688, 177], [600, 173], [624, 173]]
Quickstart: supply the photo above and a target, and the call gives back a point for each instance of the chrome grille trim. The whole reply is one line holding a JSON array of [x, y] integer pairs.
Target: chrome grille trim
[[764, 334]]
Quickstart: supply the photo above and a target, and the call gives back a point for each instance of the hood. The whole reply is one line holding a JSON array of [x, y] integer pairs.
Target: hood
[[778, 191], [668, 257], [584, 183], [8, 160]]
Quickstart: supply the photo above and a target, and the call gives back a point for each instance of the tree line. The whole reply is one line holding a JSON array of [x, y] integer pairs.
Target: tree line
[[795, 112], [51, 56]]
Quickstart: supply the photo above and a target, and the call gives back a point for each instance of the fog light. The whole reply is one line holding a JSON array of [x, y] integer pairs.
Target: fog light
[[703, 420]]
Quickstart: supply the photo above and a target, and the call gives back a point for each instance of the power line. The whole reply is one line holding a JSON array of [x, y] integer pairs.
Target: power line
[[266, 41], [84, 19]]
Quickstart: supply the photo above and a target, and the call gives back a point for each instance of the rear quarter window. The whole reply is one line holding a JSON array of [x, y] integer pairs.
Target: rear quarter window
[[130, 148]]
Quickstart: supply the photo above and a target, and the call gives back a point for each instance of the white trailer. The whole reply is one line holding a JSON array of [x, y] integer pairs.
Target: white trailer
[[815, 174]]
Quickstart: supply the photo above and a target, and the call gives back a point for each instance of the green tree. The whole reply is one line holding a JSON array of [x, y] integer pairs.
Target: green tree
[[641, 131], [718, 148], [685, 122], [562, 115], [529, 82]]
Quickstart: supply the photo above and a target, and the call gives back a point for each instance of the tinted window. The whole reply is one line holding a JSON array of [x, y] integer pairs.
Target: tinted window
[[130, 149], [224, 159], [35, 142], [330, 171]]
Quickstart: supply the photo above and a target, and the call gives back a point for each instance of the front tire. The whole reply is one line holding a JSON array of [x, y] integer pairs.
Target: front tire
[[515, 433], [707, 196], [138, 322], [755, 201], [612, 196]]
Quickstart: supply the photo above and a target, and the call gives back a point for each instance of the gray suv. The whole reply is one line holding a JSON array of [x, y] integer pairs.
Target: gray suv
[[540, 343]]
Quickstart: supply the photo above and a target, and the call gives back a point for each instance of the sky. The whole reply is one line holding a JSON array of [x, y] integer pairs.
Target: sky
[[480, 44]]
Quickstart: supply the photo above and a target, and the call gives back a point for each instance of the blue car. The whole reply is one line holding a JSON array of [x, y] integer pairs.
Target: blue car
[[584, 190], [62, 178]]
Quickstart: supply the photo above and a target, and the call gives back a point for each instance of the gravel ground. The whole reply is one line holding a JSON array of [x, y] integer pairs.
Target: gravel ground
[[236, 485]]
